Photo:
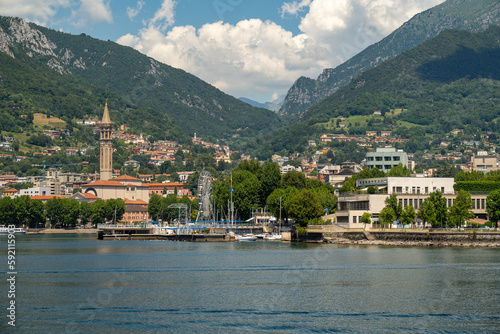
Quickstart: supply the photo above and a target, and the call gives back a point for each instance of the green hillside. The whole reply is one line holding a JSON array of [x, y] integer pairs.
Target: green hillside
[[192, 104], [451, 81]]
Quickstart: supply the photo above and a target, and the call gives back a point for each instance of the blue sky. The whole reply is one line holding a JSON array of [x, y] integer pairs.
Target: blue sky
[[250, 48]]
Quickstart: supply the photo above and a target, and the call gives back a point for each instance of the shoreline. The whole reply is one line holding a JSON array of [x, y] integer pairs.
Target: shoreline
[[434, 243], [63, 231]]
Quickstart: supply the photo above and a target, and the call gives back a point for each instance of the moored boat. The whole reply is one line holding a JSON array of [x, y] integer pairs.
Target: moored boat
[[272, 237], [246, 237], [17, 230]]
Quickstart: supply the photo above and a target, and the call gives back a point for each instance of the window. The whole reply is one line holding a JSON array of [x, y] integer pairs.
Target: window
[[354, 219], [405, 203], [449, 202], [395, 158], [410, 202], [473, 205], [342, 219], [378, 158], [482, 203], [426, 190], [387, 158]]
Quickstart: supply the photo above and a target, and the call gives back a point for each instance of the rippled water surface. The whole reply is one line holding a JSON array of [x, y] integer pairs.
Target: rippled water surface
[[76, 284]]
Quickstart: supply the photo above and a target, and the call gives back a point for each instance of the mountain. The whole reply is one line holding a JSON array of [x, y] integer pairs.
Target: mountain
[[450, 81], [470, 15], [273, 105], [190, 103]]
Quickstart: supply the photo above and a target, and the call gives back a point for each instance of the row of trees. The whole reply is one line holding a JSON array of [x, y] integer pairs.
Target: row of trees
[[58, 212], [433, 210], [158, 207]]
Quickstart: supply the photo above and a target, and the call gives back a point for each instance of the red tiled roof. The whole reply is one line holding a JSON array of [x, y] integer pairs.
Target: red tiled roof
[[163, 184], [89, 196], [44, 197], [126, 177], [10, 191], [104, 183], [139, 201]]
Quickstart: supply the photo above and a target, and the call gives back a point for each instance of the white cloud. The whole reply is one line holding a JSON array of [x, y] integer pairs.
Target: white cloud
[[251, 56], [94, 11], [164, 17], [257, 58], [36, 11], [133, 12], [293, 8]]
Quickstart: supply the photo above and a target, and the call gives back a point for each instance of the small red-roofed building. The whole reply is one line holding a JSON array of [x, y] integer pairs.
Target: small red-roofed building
[[44, 198], [10, 192], [84, 197], [136, 211]]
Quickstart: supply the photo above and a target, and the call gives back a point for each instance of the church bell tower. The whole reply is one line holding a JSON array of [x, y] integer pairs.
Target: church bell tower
[[106, 161]]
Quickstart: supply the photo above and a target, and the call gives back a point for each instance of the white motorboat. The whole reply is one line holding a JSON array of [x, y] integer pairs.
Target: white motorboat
[[246, 237], [272, 237], [16, 230]]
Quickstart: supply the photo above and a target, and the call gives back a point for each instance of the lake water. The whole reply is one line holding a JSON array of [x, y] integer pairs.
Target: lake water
[[76, 284]]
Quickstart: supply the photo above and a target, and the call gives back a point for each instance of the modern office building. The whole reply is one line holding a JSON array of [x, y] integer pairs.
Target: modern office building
[[384, 158]]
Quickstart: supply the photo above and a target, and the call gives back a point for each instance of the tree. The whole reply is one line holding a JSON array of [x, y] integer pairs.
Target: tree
[[22, 207], [54, 209], [155, 208], [493, 206], [327, 200], [269, 180], [305, 206], [366, 218], [114, 209], [98, 212], [279, 201], [427, 212], [399, 170], [408, 215], [37, 214], [246, 193], [7, 212], [85, 213], [441, 211], [293, 179], [393, 203], [460, 211], [387, 216]]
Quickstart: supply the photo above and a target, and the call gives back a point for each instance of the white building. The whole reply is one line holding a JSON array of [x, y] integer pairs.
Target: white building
[[384, 158], [409, 185]]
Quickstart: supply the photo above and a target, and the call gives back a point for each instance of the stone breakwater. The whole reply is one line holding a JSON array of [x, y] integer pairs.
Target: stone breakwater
[[421, 238], [441, 243]]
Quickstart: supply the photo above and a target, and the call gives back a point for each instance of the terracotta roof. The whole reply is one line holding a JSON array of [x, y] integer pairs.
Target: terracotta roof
[[126, 177], [163, 184], [104, 183], [139, 201], [89, 195], [10, 191], [44, 197]]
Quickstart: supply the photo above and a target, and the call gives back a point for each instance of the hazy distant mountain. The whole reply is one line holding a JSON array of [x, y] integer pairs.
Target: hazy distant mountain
[[274, 105], [190, 103], [471, 15]]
